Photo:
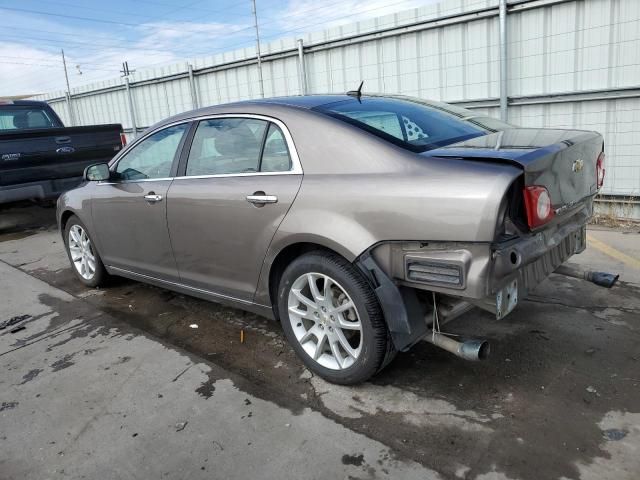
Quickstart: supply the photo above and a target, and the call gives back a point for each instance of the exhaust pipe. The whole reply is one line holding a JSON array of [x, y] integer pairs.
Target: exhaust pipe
[[473, 350], [601, 279]]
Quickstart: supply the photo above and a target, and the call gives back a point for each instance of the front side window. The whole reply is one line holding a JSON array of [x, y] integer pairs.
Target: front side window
[[226, 146], [410, 123], [153, 156]]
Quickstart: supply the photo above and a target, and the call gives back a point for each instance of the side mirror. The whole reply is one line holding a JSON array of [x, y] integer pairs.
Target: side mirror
[[97, 172]]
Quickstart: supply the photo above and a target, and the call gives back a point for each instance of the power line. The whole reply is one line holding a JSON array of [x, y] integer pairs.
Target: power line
[[47, 65], [90, 19], [171, 5], [280, 33], [51, 59], [83, 44], [208, 51], [129, 15], [182, 30], [121, 45]]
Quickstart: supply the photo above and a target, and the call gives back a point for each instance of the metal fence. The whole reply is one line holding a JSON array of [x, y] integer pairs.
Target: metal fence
[[569, 64]]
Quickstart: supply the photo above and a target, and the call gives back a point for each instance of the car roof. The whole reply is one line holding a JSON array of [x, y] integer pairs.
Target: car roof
[[296, 102], [303, 101], [22, 103]]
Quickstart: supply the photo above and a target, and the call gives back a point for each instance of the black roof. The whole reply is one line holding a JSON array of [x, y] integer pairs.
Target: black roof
[[22, 103]]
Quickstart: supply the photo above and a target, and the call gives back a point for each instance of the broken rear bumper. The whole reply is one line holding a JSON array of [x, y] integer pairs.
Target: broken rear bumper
[[494, 277]]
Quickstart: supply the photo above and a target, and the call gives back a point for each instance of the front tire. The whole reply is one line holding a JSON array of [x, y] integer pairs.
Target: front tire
[[85, 261], [332, 318]]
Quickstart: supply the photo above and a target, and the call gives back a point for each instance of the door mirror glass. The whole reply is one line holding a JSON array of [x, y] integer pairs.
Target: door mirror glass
[[97, 172]]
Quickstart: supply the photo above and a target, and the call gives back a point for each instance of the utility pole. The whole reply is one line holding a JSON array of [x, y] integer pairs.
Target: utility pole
[[504, 81], [132, 110], [125, 70], [66, 77], [255, 21]]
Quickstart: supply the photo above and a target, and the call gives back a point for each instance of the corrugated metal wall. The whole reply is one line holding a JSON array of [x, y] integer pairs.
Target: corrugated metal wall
[[571, 63]]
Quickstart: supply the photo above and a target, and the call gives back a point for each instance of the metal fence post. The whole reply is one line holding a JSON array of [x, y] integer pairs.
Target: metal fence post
[[302, 70], [72, 116], [192, 88], [132, 113], [503, 61]]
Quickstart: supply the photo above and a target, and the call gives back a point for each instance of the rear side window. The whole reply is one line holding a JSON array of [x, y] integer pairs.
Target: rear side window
[[414, 125], [275, 155], [224, 146], [14, 117]]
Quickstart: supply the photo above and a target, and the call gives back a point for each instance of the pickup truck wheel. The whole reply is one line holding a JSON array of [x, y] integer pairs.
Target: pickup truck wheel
[[332, 318], [85, 261]]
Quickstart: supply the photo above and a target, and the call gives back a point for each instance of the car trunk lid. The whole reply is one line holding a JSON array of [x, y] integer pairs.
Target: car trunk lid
[[562, 161]]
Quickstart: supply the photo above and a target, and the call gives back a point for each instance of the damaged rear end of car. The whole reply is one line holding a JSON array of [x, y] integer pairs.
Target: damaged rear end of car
[[540, 223]]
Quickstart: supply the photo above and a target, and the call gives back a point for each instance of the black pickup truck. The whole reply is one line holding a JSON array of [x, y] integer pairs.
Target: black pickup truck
[[40, 158]]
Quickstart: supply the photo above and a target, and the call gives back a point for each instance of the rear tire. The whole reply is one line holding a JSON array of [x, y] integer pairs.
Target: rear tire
[[83, 256], [337, 327]]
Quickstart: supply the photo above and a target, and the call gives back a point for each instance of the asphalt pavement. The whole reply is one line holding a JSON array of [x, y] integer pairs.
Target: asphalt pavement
[[116, 383]]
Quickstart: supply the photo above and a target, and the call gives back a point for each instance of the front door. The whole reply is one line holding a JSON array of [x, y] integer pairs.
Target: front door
[[238, 184], [130, 211]]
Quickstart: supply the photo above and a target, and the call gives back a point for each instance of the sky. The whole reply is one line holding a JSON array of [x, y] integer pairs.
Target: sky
[[97, 36]]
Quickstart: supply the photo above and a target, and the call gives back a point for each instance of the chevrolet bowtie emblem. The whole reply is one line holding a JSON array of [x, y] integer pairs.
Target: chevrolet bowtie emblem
[[577, 165]]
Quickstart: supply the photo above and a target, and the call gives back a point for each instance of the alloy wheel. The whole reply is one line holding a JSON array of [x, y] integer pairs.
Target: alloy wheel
[[325, 321], [81, 252]]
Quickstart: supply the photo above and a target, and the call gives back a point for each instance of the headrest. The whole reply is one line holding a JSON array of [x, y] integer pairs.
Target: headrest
[[21, 120], [236, 141]]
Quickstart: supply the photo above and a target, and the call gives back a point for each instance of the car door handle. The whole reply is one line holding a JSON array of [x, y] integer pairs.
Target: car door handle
[[152, 197], [262, 199]]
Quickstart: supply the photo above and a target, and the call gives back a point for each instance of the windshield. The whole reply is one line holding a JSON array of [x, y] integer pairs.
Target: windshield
[[412, 123], [17, 117]]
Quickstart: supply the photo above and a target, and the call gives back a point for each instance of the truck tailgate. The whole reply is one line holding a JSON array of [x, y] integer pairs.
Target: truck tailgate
[[54, 153], [563, 161]]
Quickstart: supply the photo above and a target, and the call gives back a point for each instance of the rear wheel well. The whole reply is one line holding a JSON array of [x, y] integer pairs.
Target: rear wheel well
[[282, 260]]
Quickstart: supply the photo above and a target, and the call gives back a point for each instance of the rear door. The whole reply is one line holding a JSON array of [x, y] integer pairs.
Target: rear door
[[130, 211], [239, 179]]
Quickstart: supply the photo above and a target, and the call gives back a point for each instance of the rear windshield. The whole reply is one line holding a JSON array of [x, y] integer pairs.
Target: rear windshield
[[412, 123], [18, 117]]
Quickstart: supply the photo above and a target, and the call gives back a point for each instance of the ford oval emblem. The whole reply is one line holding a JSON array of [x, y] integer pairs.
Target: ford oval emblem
[[65, 150]]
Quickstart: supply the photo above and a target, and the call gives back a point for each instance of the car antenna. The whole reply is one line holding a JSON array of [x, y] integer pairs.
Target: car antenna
[[356, 93]]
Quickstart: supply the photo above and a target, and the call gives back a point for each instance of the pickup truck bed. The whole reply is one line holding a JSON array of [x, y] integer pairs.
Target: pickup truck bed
[[43, 161]]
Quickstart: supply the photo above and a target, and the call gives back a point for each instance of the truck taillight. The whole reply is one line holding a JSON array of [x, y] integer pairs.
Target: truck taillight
[[600, 170], [537, 203], [123, 139]]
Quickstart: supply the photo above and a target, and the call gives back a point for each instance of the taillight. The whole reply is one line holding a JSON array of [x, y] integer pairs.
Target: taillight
[[123, 139], [600, 170], [537, 203]]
